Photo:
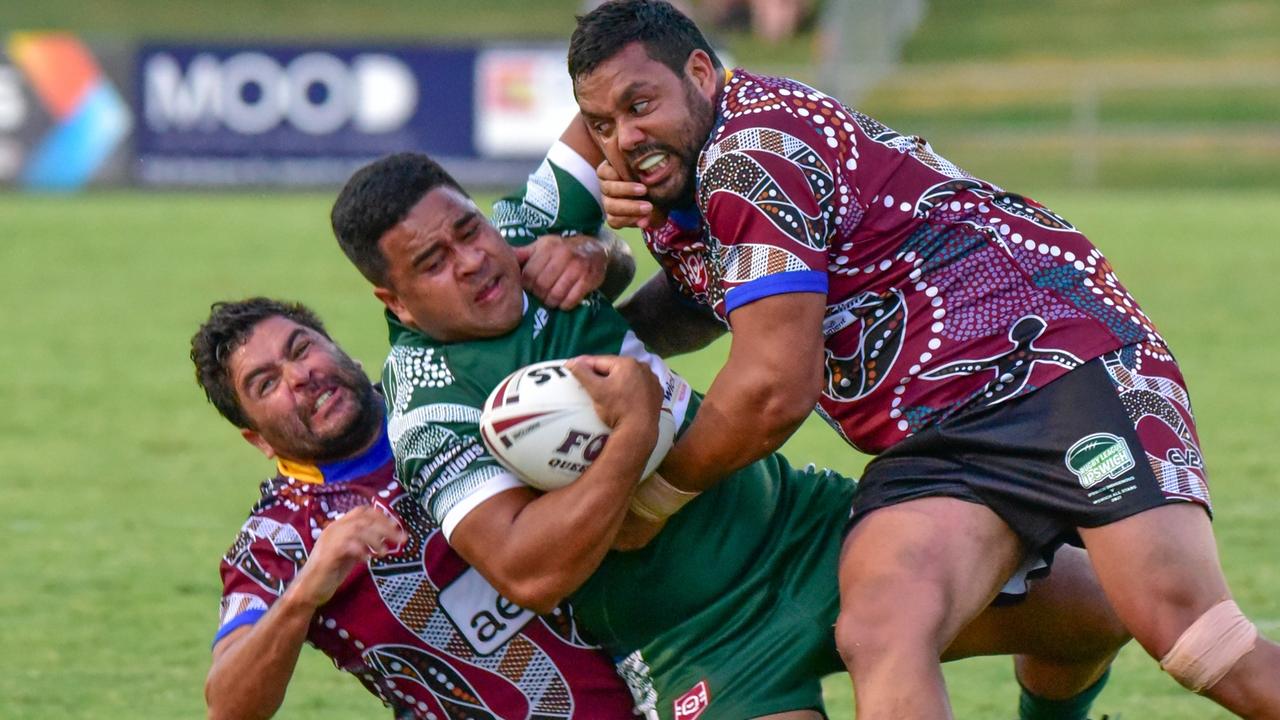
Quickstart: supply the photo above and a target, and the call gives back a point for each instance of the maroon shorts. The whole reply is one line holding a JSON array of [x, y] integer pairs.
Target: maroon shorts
[[1107, 440]]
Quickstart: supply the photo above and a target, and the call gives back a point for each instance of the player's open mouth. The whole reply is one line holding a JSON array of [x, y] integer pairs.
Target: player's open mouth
[[325, 401], [490, 290], [653, 168]]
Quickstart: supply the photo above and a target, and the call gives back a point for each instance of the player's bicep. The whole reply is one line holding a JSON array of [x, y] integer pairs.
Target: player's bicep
[[441, 461], [484, 533], [471, 491], [224, 644], [778, 342], [781, 326]]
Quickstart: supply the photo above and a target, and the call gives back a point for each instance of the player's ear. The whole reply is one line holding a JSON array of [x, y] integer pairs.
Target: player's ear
[[702, 71], [255, 439], [392, 301]]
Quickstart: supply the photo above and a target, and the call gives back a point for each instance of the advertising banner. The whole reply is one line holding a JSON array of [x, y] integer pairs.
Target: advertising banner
[[64, 122], [524, 100], [295, 115]]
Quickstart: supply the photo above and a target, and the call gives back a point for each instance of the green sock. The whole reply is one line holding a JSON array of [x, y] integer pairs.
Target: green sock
[[1033, 707]]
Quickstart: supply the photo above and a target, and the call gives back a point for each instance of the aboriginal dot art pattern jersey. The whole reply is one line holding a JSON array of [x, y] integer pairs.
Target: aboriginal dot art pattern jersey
[[419, 628], [944, 292]]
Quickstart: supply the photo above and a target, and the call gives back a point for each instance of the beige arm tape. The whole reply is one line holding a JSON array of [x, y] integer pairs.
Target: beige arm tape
[[656, 499], [1206, 651]]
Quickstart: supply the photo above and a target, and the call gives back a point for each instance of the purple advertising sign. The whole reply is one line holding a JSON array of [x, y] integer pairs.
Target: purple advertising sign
[[295, 115]]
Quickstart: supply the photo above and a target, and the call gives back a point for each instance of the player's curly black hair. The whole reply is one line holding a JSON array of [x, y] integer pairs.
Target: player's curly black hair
[[376, 198], [228, 327], [667, 34]]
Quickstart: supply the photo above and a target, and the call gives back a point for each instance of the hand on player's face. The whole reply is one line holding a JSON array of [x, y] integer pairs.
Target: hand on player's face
[[650, 122], [560, 271], [624, 390], [450, 273], [362, 533], [307, 400], [625, 203]]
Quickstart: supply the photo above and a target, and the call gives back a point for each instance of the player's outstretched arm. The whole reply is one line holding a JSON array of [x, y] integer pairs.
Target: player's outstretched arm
[[535, 548], [667, 323], [767, 387], [252, 665]]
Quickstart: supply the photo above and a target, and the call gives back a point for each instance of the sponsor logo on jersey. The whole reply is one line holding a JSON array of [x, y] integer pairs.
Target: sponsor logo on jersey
[[692, 704], [1098, 457], [539, 322], [486, 619]]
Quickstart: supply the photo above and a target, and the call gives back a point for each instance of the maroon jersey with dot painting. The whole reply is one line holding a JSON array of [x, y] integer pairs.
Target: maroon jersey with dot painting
[[419, 628], [943, 291]]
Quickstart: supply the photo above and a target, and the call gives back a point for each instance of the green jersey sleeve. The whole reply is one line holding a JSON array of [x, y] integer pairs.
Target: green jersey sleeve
[[434, 428], [562, 197]]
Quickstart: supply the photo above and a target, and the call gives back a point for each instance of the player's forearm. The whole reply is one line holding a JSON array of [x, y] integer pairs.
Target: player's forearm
[[621, 267], [559, 539], [737, 424], [667, 324], [248, 679], [768, 386]]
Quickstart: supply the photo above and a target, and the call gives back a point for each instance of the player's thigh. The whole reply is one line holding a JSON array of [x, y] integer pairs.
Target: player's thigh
[[1159, 569], [930, 564], [1064, 616]]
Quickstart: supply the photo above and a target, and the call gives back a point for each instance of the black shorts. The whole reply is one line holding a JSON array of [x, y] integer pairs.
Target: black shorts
[[1107, 440]]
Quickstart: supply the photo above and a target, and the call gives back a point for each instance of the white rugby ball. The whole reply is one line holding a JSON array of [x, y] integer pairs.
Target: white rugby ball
[[540, 424]]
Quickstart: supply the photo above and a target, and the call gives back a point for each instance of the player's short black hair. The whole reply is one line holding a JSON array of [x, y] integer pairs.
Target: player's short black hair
[[376, 198], [668, 35], [229, 326]]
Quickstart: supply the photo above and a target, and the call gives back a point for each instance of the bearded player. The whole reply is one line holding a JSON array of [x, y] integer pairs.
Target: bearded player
[[1015, 394], [336, 554]]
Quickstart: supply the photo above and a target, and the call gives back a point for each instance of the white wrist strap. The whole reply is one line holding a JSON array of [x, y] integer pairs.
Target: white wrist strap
[[656, 499]]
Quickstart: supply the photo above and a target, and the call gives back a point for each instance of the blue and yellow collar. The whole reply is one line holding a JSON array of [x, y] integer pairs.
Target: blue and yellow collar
[[353, 468]]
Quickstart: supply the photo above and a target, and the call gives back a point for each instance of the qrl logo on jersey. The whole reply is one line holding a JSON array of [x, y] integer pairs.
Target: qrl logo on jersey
[[1098, 457], [693, 703]]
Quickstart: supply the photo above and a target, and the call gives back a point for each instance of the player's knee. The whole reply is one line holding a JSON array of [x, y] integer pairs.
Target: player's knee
[[1097, 634], [1105, 638], [858, 641], [1208, 649], [866, 632]]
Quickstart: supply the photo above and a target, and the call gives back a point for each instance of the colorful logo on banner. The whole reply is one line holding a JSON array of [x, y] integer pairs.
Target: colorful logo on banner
[[90, 118]]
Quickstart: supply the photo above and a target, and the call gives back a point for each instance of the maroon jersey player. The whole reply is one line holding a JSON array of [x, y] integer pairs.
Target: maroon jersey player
[[335, 554], [1014, 394]]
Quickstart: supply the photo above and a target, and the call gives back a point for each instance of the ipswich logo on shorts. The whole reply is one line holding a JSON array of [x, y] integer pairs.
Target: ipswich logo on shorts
[[693, 703], [1098, 457]]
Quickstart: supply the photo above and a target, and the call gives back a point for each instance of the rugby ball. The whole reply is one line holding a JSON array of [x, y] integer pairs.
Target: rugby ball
[[540, 424]]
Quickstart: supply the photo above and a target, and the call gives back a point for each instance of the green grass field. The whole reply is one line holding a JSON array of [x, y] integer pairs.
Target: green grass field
[[122, 488]]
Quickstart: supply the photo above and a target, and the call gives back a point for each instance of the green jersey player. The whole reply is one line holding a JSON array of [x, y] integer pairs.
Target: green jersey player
[[727, 613]]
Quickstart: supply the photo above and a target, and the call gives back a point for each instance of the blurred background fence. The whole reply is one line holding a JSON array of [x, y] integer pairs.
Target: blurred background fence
[[1157, 124]]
